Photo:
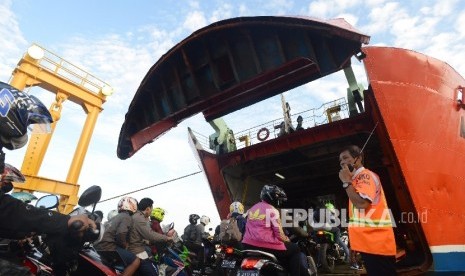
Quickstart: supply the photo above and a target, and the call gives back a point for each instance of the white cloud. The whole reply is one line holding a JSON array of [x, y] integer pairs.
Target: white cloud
[[223, 11], [444, 7], [278, 7], [244, 10], [383, 17], [329, 8], [12, 40], [373, 3], [350, 18], [320, 9], [459, 24], [194, 21]]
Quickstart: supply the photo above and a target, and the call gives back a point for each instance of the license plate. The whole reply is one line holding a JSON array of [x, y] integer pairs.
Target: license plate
[[247, 273], [228, 264]]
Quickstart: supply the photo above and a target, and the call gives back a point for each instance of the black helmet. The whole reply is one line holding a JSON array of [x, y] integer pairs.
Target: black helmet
[[18, 111], [193, 218], [273, 195]]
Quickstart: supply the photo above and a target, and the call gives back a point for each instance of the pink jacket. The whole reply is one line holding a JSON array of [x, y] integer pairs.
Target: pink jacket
[[263, 228]]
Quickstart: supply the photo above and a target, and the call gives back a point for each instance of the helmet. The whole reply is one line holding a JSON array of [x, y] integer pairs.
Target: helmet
[[127, 203], [18, 112], [273, 195], [112, 214], [10, 174], [329, 206], [205, 220], [193, 218], [236, 207], [158, 214]]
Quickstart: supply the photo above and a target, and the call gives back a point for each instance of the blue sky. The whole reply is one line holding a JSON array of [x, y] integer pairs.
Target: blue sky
[[118, 41]]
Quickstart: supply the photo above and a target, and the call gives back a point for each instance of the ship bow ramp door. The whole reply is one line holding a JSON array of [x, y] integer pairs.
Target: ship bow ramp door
[[232, 64]]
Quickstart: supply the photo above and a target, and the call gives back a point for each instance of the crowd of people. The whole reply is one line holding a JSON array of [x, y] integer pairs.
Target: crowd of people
[[133, 231]]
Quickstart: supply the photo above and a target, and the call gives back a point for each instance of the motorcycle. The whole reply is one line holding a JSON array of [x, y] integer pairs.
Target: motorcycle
[[173, 260], [65, 256], [329, 252], [257, 262], [28, 252], [228, 260]]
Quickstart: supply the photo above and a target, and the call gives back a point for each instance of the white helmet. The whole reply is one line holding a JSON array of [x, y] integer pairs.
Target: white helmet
[[205, 220], [236, 207], [112, 214], [127, 203]]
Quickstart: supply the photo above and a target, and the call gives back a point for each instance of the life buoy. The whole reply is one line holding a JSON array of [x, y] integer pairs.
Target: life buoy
[[260, 137]]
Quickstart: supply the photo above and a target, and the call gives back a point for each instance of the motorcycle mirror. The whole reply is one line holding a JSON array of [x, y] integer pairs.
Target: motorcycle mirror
[[90, 196], [47, 202]]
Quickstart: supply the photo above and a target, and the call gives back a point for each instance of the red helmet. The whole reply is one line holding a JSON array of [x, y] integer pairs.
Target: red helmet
[[10, 174]]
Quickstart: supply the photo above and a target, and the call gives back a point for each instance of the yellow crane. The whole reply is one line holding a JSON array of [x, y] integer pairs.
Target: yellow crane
[[42, 68]]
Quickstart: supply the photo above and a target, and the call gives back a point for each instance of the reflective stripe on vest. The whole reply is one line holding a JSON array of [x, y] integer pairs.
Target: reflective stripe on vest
[[385, 219]]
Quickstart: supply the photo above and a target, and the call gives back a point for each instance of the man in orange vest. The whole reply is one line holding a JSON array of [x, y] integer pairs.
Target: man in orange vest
[[370, 225]]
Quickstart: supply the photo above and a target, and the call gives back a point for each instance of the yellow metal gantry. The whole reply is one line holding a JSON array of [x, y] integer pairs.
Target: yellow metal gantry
[[39, 67]]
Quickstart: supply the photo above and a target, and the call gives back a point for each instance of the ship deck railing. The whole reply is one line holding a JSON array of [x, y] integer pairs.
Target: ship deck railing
[[326, 113]]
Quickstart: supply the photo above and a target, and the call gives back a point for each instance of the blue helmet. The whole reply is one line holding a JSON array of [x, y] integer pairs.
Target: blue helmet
[[17, 111]]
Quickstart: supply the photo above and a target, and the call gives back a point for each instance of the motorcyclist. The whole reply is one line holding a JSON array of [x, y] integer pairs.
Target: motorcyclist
[[141, 232], [204, 221], [156, 217], [205, 239], [325, 220], [192, 238], [116, 235], [18, 111], [337, 231], [264, 231], [236, 210]]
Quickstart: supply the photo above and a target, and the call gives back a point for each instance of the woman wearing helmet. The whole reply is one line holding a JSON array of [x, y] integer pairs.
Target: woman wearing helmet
[[264, 230], [116, 234]]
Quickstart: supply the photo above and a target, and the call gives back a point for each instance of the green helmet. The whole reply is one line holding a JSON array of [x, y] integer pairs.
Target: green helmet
[[329, 206], [158, 214]]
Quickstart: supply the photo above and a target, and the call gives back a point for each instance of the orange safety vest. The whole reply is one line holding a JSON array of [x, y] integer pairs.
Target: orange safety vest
[[370, 230]]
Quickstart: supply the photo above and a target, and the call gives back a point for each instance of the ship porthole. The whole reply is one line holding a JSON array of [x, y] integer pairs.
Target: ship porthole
[[263, 134]]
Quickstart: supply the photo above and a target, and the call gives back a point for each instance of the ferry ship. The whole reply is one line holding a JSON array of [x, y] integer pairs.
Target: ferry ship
[[410, 117]]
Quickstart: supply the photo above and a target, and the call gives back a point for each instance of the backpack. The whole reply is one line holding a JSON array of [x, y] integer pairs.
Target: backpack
[[190, 233], [229, 231]]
